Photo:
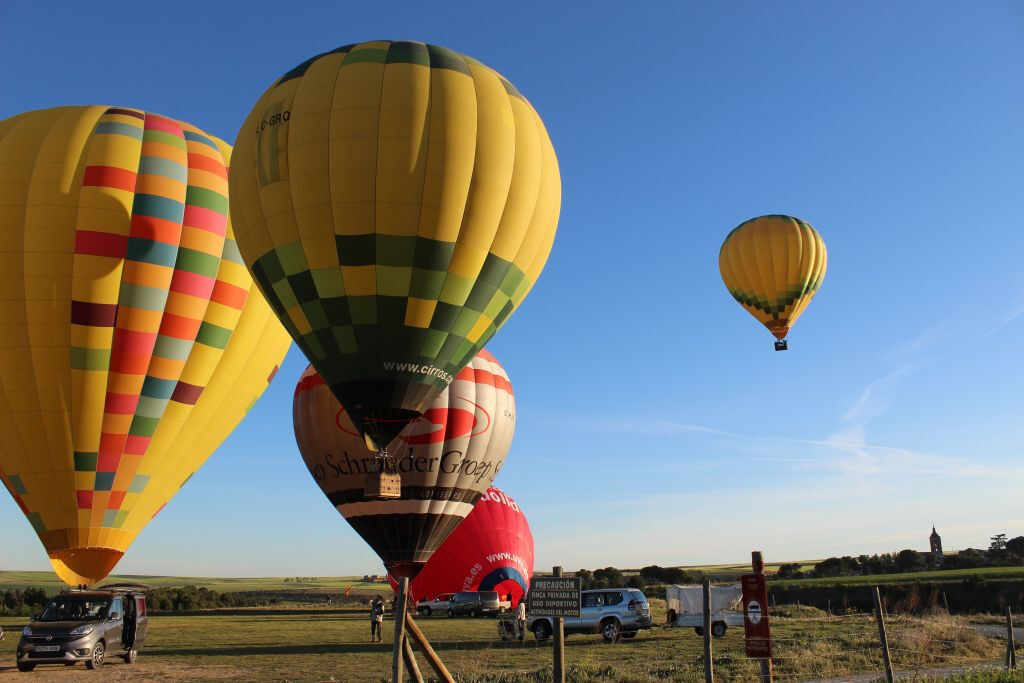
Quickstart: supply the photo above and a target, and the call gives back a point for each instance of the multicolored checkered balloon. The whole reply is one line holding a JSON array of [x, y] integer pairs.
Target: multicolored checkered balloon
[[131, 338]]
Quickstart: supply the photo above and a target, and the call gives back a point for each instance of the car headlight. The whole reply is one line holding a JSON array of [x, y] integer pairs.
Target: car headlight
[[81, 631], [27, 631]]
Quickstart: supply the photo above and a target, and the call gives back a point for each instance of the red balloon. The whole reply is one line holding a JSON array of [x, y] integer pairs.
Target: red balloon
[[491, 550]]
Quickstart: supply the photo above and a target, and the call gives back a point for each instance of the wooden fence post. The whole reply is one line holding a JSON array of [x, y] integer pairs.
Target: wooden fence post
[[397, 654], [881, 635], [1011, 646], [410, 661], [709, 667], [558, 665], [428, 652]]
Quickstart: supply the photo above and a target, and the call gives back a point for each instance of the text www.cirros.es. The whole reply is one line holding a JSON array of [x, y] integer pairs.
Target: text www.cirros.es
[[416, 368]]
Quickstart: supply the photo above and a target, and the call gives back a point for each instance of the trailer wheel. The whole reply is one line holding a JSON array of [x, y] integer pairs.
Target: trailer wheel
[[699, 630], [718, 629], [671, 616]]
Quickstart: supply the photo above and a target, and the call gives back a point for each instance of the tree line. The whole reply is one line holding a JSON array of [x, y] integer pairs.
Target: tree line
[[31, 601], [1000, 553]]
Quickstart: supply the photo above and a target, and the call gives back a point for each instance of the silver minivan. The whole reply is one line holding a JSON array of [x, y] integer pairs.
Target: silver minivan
[[612, 612], [85, 626]]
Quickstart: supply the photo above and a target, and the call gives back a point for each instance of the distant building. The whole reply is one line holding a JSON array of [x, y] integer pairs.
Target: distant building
[[935, 542]]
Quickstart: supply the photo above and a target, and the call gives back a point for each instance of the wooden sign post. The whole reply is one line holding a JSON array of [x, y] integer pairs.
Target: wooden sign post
[[755, 616], [556, 597]]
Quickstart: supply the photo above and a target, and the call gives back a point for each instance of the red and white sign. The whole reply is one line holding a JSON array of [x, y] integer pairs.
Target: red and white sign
[[755, 616]]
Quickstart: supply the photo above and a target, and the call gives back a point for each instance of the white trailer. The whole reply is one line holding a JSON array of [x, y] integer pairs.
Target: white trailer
[[686, 607]]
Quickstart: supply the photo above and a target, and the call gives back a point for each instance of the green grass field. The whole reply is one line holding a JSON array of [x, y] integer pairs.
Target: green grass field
[[881, 579], [48, 581], [323, 644]]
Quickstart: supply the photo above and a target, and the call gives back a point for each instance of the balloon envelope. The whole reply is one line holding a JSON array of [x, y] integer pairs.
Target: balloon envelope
[[395, 202], [773, 266], [491, 550], [133, 340], [447, 458]]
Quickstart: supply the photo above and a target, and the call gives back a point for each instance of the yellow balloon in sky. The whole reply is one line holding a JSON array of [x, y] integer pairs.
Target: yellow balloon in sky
[[395, 202], [132, 338], [773, 266]]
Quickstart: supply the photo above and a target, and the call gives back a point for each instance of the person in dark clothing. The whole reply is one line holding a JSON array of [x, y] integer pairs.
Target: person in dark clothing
[[376, 618]]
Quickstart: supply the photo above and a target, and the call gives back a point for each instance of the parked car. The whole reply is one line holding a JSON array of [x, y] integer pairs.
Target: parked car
[[439, 603], [86, 626], [612, 612], [475, 604]]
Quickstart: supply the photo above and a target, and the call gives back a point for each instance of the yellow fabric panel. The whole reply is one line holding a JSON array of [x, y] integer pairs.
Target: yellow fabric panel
[[402, 148], [526, 180]]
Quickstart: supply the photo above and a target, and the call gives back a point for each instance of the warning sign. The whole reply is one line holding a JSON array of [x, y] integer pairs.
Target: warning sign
[[755, 616]]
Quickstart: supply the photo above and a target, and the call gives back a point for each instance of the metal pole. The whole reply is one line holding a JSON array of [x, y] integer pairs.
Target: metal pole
[[428, 652], [397, 670], [1011, 646], [558, 665], [882, 637], [709, 668], [410, 661]]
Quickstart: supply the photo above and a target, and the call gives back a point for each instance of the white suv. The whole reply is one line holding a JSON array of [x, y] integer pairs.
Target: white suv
[[612, 612]]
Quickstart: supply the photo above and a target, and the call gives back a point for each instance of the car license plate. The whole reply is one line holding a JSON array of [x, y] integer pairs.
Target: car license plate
[[47, 648]]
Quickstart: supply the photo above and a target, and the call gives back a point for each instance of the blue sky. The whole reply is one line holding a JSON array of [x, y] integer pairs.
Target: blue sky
[[655, 423]]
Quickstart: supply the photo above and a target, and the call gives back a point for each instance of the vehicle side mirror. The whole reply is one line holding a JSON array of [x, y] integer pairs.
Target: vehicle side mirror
[[114, 616]]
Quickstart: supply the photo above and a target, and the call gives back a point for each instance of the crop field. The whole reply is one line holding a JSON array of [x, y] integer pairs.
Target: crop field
[[49, 582], [322, 644]]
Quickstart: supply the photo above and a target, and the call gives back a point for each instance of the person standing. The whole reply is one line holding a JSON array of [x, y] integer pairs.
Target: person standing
[[376, 618], [521, 619]]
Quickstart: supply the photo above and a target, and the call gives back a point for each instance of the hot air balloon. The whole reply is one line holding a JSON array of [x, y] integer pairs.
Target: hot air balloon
[[395, 202], [133, 340], [491, 550], [773, 266], [447, 457]]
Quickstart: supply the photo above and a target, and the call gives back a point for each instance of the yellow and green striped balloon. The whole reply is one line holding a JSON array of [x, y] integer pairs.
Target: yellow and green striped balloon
[[773, 265], [395, 202]]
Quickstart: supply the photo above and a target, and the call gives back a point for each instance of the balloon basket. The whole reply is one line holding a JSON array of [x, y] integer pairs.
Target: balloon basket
[[781, 345], [382, 486]]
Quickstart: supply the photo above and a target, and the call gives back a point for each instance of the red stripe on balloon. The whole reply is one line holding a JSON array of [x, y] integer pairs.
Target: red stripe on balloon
[[96, 243], [84, 500], [205, 219], [109, 176], [192, 284], [206, 163], [229, 295], [121, 404]]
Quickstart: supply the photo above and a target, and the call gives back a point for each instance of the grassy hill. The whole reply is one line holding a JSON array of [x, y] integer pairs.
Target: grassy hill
[[49, 582]]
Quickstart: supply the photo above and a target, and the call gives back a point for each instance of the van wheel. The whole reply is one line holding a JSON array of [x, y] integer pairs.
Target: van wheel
[[671, 616], [130, 656], [474, 613], [25, 666], [611, 630], [699, 630], [425, 611], [542, 631], [450, 612], [718, 629], [97, 656]]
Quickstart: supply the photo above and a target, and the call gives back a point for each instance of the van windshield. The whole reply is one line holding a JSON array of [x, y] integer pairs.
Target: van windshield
[[75, 609]]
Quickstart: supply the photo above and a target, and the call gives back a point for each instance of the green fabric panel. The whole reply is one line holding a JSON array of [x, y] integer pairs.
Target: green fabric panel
[[213, 335], [315, 315], [104, 481], [328, 282], [396, 250], [314, 346], [18, 484], [89, 359], [36, 520], [285, 296], [197, 262], [119, 518], [456, 289], [166, 138], [292, 258], [403, 52], [426, 284], [363, 309], [208, 199], [345, 337], [392, 281], [139, 296], [108, 518], [138, 484], [371, 55], [143, 426]]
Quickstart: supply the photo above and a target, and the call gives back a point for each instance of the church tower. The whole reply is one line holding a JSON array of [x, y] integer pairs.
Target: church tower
[[935, 541]]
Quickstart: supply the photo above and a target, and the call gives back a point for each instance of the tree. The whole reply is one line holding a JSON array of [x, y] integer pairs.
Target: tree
[[789, 571], [909, 561], [1015, 546], [998, 543]]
